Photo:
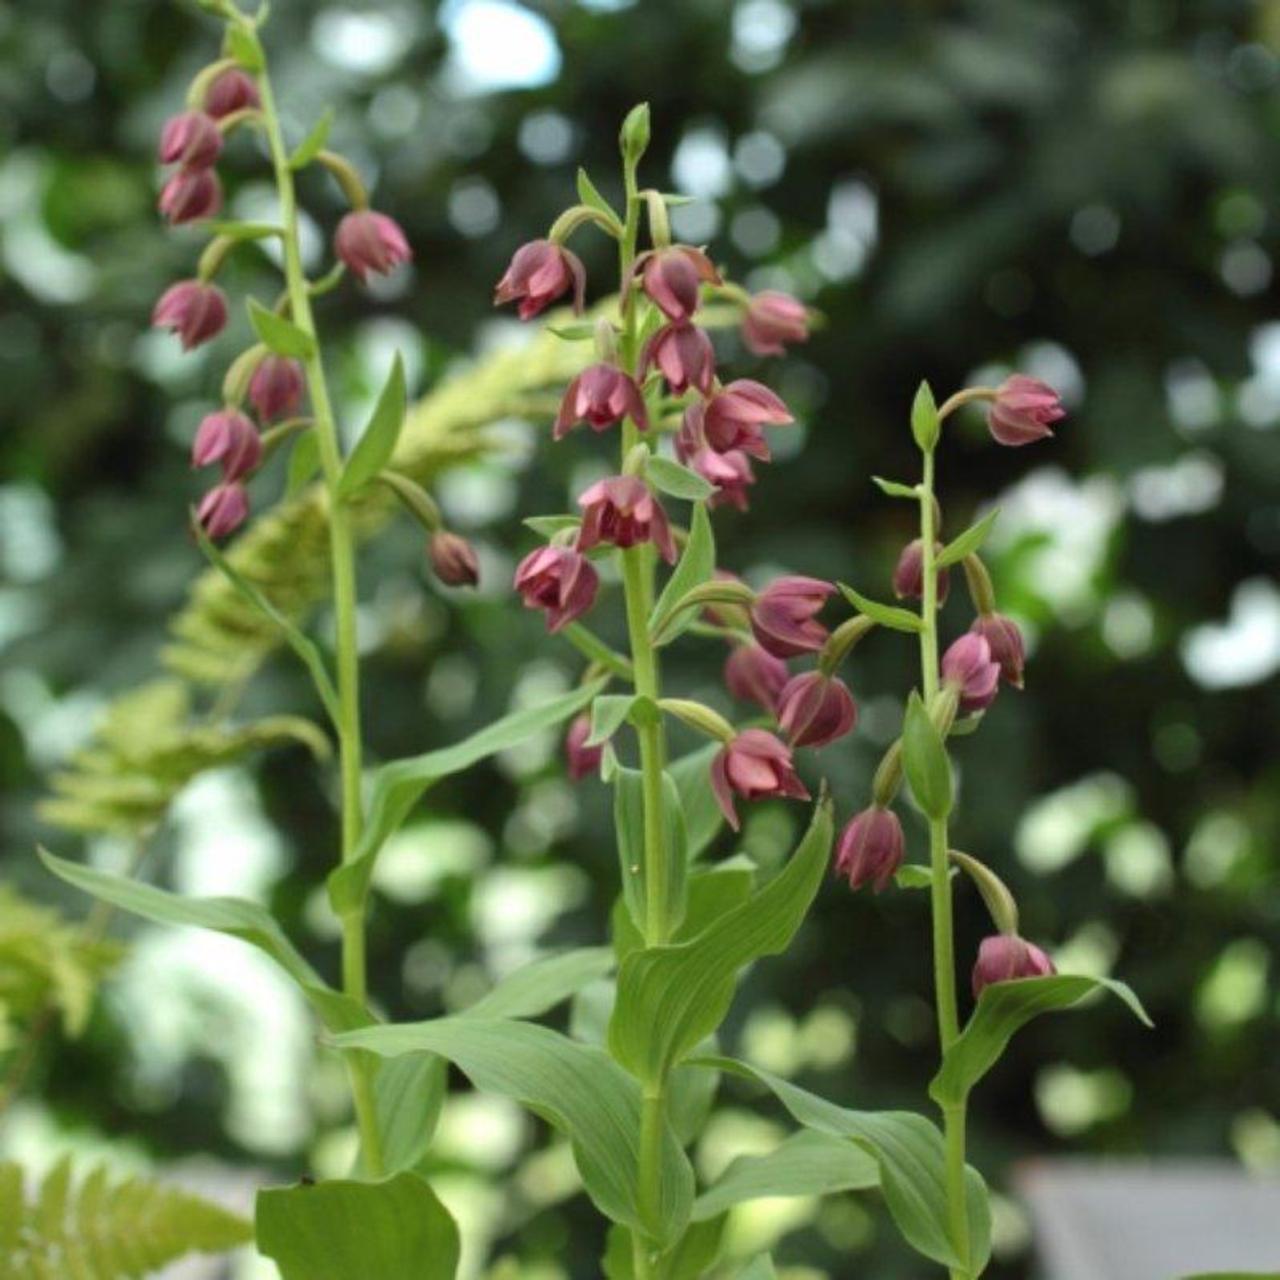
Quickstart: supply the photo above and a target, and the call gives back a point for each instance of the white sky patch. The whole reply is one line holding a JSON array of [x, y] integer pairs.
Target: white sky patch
[[497, 45], [1243, 650]]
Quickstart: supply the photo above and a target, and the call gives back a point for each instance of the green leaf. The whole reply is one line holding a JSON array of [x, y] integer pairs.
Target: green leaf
[[924, 759], [696, 566], [807, 1163], [713, 891], [671, 997], [913, 875], [628, 817], [912, 1161], [925, 426], [969, 541], [896, 490], [278, 334], [304, 464], [548, 526], [690, 1259], [534, 988], [610, 711], [306, 649], [1004, 1007], [887, 615], [346, 1230], [759, 1268], [577, 1088], [244, 47], [703, 816], [677, 480], [408, 1097], [582, 331], [377, 442], [589, 194], [307, 150], [634, 135], [398, 786]]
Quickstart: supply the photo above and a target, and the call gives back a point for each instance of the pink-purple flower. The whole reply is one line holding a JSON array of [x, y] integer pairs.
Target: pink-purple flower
[[539, 273], [193, 310], [1024, 410], [558, 580], [453, 559], [223, 509], [908, 574], [370, 243], [1004, 957], [600, 395], [734, 417], [783, 615], [191, 139], [232, 90], [275, 389], [968, 667], [230, 438], [754, 765], [683, 354], [580, 759], [673, 277], [731, 473], [622, 511], [871, 848], [772, 320], [190, 196], [815, 709], [753, 674], [1005, 642]]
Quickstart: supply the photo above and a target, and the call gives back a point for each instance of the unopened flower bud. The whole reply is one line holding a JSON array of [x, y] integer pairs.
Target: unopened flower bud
[[815, 709], [673, 277], [223, 509], [230, 438], [453, 559], [1005, 642], [754, 765], [558, 580], [580, 759], [772, 320], [621, 511], [753, 674], [275, 389], [683, 354], [600, 396], [908, 574], [871, 848], [539, 273], [967, 666], [1023, 411], [194, 311], [1004, 957], [191, 139], [232, 90], [782, 616], [370, 243], [190, 195]]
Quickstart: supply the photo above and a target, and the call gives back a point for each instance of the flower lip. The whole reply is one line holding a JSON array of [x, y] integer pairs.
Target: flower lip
[[539, 273], [622, 511]]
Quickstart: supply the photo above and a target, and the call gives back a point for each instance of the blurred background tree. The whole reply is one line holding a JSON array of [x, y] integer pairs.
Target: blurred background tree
[[1086, 191]]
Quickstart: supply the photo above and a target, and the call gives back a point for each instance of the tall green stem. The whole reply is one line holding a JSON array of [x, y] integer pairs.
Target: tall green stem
[[342, 555], [944, 963]]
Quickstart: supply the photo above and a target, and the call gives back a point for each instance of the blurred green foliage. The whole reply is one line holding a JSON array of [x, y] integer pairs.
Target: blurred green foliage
[[1084, 189]]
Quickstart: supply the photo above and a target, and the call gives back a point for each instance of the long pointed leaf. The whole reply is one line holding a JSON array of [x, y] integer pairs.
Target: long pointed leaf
[[377, 442]]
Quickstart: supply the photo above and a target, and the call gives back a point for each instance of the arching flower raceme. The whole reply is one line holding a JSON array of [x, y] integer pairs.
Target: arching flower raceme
[[600, 396], [223, 509], [370, 243], [190, 195], [754, 765], [782, 615], [772, 320], [191, 139], [908, 574], [753, 674], [559, 581], [683, 354], [871, 848], [580, 759], [1005, 642], [230, 438], [673, 278], [232, 90], [622, 512], [814, 709], [733, 417], [539, 273], [1023, 411], [275, 389], [1004, 957], [194, 311], [453, 559], [968, 667]]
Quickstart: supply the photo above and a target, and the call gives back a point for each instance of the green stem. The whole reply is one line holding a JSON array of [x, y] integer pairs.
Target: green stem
[[342, 555], [944, 961]]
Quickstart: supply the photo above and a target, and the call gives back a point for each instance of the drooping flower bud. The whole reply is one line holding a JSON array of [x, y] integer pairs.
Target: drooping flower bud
[[370, 243], [558, 580], [230, 438], [683, 354], [1023, 411], [194, 311], [580, 759], [191, 139], [275, 389], [773, 319], [734, 416], [232, 90], [908, 574], [815, 709], [539, 273], [600, 396], [753, 674], [672, 277], [1004, 957], [622, 512], [1005, 642], [969, 668], [754, 765], [871, 848], [782, 616], [453, 559], [223, 509], [190, 195]]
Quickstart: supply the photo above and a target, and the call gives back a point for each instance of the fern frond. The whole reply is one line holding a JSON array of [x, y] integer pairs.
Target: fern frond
[[101, 1229]]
